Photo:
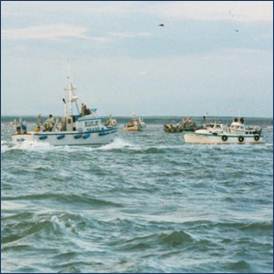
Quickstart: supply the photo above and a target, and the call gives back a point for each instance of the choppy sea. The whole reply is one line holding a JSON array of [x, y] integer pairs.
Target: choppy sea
[[147, 202]]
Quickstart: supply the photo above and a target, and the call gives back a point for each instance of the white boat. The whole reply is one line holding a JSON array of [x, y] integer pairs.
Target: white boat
[[73, 129], [215, 133]]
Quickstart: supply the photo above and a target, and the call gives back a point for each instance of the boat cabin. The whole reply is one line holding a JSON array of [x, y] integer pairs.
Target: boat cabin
[[89, 123], [214, 127], [237, 126]]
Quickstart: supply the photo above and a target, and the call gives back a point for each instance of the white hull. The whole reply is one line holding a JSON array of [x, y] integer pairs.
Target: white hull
[[195, 138], [66, 138]]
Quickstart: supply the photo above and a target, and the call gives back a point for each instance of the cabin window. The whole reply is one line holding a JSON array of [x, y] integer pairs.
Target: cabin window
[[88, 123], [91, 123]]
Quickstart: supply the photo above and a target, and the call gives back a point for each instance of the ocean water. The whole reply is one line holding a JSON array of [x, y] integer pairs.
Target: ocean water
[[145, 203]]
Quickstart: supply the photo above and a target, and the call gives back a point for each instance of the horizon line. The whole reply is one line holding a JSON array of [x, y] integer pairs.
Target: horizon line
[[148, 116]]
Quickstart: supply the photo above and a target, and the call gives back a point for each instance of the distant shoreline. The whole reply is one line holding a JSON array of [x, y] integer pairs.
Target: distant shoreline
[[154, 119], [147, 116]]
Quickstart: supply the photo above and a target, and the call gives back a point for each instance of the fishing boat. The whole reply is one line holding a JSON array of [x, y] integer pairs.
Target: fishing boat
[[111, 122], [217, 133], [75, 128], [186, 124], [135, 124]]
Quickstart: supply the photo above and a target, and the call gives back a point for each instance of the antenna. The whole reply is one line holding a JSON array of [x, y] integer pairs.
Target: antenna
[[69, 68]]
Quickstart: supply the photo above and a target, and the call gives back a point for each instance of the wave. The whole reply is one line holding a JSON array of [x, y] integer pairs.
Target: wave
[[53, 225], [252, 227], [123, 145], [14, 232], [238, 266], [118, 143], [5, 146], [171, 239], [78, 266], [71, 199], [26, 145], [175, 238]]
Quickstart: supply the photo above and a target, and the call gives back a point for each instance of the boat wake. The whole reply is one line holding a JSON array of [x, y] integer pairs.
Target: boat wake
[[26, 145], [4, 146], [119, 143]]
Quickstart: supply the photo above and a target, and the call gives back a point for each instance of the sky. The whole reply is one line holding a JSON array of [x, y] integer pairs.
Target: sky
[[213, 58]]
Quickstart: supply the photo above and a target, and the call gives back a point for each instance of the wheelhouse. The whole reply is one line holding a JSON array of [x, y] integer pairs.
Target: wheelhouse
[[88, 123], [235, 126]]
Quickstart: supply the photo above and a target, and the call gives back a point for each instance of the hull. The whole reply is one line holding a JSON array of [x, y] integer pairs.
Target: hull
[[67, 138], [195, 138], [133, 128]]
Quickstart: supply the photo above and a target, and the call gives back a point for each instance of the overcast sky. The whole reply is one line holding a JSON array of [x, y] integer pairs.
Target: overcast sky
[[210, 57]]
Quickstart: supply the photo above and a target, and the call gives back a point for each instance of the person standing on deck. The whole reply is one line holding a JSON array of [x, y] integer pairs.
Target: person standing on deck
[[49, 124]]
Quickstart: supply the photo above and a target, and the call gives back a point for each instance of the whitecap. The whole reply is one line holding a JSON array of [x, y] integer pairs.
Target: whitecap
[[26, 145], [119, 143], [4, 146]]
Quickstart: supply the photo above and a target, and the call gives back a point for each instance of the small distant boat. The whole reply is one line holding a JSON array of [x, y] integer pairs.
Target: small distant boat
[[217, 133], [136, 124], [185, 124], [83, 128], [111, 122]]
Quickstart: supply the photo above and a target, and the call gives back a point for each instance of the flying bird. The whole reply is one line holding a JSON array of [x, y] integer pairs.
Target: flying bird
[[161, 25], [236, 30]]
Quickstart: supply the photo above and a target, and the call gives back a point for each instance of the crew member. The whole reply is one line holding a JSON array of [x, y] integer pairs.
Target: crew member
[[49, 124], [83, 109]]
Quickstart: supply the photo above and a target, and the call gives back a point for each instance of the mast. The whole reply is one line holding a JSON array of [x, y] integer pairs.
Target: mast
[[70, 98]]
